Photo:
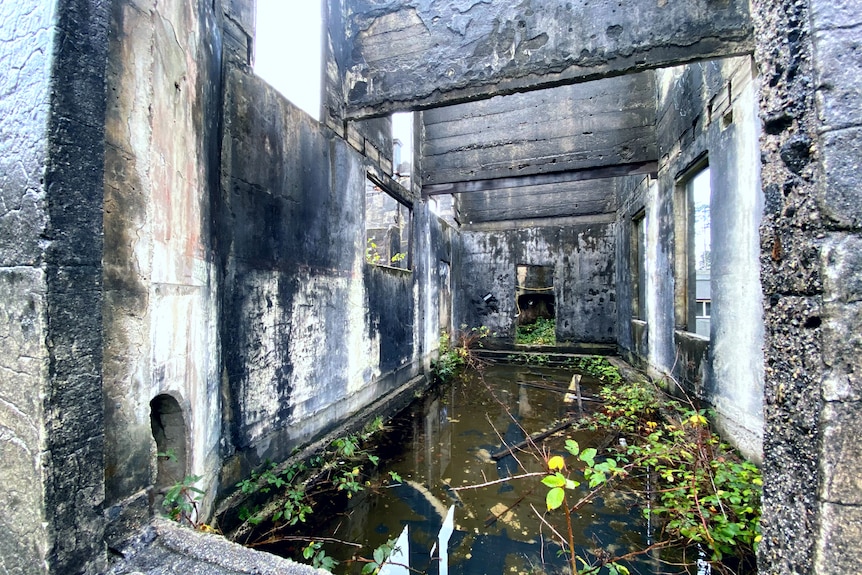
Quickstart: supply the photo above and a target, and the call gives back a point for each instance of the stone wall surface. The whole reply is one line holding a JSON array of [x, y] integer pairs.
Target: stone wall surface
[[582, 255], [161, 292], [51, 416], [791, 237], [26, 29], [419, 53]]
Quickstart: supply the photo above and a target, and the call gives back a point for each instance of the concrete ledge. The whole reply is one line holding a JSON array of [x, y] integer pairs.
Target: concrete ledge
[[169, 549]]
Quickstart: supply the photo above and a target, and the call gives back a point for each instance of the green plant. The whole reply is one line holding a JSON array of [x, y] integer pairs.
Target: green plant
[[319, 559], [596, 474], [542, 332], [706, 493], [380, 555], [599, 367], [372, 256], [181, 500], [453, 357]]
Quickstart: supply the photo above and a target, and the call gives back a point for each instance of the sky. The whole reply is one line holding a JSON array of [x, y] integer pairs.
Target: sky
[[288, 49]]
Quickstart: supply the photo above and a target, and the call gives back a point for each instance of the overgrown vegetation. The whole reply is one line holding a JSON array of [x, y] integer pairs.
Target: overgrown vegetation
[[292, 492], [705, 495], [455, 354], [542, 332], [182, 498]]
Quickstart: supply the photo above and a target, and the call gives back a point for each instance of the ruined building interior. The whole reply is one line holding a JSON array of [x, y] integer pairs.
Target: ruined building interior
[[184, 253]]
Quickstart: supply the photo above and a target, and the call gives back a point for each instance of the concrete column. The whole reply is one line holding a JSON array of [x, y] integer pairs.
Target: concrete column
[[51, 164]]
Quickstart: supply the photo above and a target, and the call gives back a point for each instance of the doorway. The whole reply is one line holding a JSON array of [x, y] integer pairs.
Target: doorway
[[536, 322]]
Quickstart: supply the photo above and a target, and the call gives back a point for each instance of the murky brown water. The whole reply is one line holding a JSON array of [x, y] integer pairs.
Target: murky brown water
[[445, 441]]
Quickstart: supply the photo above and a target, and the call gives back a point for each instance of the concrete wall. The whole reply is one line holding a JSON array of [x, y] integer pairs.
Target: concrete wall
[[311, 332], [810, 104], [418, 53], [581, 251], [589, 125], [161, 285], [51, 417], [705, 111]]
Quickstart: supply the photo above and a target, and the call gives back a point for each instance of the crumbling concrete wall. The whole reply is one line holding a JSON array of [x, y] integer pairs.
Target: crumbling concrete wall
[[311, 332], [51, 155], [810, 102], [588, 125], [161, 286], [418, 53], [706, 112], [581, 252]]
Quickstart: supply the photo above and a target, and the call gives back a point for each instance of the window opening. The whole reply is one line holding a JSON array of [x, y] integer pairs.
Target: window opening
[[387, 228], [402, 147], [169, 431], [445, 297], [288, 50], [536, 303], [694, 253], [638, 266]]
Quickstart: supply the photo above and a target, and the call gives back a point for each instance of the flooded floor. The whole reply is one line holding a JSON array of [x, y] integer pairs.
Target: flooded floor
[[445, 442]]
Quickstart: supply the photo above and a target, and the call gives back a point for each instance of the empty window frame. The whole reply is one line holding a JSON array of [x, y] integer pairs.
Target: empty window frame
[[693, 250], [637, 265], [388, 224]]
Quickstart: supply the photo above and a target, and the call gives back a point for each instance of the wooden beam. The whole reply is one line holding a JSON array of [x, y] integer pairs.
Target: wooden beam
[[490, 185]]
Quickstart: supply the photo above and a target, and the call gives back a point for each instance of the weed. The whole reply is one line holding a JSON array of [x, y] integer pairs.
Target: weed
[[542, 332]]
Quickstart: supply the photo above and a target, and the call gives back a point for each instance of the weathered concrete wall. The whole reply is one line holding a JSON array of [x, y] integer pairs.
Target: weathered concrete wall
[[581, 251], [311, 331], [705, 110], [810, 101], [161, 300], [51, 418], [418, 53], [589, 125]]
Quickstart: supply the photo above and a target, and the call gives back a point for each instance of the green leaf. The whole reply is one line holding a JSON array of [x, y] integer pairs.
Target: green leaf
[[555, 480], [555, 498], [572, 447], [588, 456], [380, 555]]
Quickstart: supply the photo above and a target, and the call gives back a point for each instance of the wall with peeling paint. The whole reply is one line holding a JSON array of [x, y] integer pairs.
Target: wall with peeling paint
[[160, 277], [581, 251], [311, 332], [706, 112], [419, 53]]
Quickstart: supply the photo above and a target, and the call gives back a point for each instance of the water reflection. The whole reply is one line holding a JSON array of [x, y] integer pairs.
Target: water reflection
[[445, 442]]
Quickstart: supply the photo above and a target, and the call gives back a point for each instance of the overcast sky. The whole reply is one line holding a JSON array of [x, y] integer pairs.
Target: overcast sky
[[288, 53]]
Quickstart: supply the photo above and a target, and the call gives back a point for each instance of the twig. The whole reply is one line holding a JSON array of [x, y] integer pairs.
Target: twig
[[302, 538], [504, 480]]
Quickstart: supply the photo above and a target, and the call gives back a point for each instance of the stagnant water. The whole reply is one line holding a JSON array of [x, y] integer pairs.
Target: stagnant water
[[444, 441]]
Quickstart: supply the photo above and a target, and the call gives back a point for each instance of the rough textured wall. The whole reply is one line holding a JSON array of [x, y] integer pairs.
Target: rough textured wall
[[808, 54], [589, 125], [51, 418], [311, 332], [160, 311], [581, 251], [425, 52]]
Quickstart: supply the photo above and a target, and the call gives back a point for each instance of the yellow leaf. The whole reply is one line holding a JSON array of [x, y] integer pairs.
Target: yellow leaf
[[556, 463]]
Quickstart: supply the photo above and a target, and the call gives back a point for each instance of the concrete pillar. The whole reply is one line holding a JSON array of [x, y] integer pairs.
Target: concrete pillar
[[52, 99]]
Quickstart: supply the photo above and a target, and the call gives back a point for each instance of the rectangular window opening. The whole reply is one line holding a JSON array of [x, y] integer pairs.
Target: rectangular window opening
[[388, 225], [638, 266], [693, 250]]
